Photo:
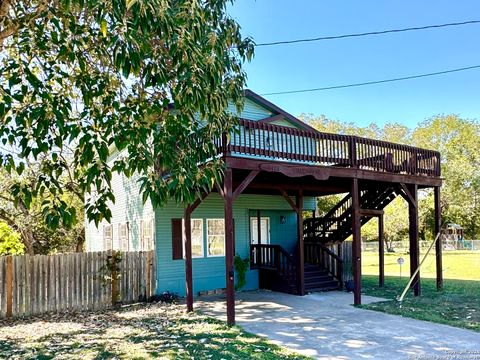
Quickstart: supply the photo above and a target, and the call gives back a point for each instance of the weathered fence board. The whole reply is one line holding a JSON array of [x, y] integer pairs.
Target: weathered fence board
[[34, 285]]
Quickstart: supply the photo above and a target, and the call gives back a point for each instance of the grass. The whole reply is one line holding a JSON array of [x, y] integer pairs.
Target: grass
[[144, 332], [457, 305], [460, 264]]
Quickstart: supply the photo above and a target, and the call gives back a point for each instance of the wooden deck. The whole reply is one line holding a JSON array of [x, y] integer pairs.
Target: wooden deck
[[265, 158], [264, 141]]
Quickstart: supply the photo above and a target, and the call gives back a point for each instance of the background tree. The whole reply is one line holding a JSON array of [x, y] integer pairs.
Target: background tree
[[457, 140], [151, 78], [29, 222], [10, 243]]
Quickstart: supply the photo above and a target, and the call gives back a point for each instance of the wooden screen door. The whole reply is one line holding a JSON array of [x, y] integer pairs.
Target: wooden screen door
[[264, 228]]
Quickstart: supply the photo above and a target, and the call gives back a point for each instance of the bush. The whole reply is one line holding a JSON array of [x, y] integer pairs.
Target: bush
[[10, 243], [166, 297]]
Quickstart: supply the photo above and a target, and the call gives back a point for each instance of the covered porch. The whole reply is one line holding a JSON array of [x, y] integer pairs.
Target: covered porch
[[269, 159]]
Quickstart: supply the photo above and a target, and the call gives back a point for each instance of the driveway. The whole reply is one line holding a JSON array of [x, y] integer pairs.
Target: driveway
[[326, 326]]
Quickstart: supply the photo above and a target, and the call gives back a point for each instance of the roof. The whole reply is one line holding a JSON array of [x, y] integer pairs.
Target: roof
[[279, 112]]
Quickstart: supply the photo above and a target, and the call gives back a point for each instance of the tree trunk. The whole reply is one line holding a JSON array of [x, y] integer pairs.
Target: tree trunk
[[80, 246]]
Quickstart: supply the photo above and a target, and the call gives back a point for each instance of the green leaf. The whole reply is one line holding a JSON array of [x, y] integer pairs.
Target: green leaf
[[103, 27]]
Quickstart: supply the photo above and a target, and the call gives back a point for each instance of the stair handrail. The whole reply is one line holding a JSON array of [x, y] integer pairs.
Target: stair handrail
[[338, 272], [276, 260]]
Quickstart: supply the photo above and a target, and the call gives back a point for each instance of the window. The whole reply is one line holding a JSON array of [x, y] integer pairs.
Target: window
[[265, 230], [215, 237], [178, 241], [197, 237], [123, 236], [107, 237], [146, 235]]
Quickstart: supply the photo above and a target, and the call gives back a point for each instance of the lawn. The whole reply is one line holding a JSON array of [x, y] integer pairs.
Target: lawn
[[141, 332], [460, 264], [457, 305]]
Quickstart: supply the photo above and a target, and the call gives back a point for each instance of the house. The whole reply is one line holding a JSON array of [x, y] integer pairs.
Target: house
[[276, 166]]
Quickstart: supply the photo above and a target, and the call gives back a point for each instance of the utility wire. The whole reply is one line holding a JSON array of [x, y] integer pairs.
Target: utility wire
[[372, 82], [367, 33]]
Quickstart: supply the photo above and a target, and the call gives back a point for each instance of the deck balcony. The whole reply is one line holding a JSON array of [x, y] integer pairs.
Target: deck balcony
[[265, 141]]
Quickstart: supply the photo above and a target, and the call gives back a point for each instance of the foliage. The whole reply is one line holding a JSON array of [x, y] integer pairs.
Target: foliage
[[326, 203], [111, 270], [167, 297], [241, 268], [395, 224], [457, 140], [36, 235], [10, 243], [79, 79]]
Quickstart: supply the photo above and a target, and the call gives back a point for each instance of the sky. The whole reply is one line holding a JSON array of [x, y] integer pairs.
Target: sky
[[345, 61]]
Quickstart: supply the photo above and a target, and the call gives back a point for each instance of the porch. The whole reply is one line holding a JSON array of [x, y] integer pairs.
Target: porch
[[263, 157], [325, 326]]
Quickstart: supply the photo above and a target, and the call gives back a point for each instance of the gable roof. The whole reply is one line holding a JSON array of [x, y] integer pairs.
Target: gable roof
[[279, 112]]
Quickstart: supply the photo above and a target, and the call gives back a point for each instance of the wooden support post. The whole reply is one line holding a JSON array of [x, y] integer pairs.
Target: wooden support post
[[259, 228], [438, 245], [229, 246], [381, 251], [413, 232], [114, 276], [340, 264], [187, 238], [148, 274], [357, 243], [9, 286], [301, 248]]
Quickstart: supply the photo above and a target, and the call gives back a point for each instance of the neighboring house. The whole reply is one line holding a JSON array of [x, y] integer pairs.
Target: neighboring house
[[276, 166]]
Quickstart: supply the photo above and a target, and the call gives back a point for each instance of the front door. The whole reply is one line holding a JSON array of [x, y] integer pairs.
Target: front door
[[264, 229]]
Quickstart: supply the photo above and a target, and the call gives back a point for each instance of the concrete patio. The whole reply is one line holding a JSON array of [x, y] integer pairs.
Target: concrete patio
[[326, 326]]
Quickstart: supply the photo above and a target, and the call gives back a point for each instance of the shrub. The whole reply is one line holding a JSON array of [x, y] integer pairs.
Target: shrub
[[166, 297], [10, 243]]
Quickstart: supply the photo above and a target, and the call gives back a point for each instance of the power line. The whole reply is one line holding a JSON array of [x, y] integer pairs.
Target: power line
[[373, 82], [367, 33]]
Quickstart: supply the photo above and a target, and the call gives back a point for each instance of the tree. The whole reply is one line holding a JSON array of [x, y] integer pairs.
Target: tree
[[29, 223], [457, 140], [150, 78], [395, 224], [10, 243]]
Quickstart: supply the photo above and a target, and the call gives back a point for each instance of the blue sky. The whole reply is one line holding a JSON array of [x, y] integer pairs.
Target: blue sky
[[337, 62]]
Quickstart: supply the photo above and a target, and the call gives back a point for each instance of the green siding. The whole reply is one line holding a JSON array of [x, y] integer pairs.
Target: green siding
[[128, 207], [281, 234], [251, 111], [285, 122], [209, 272]]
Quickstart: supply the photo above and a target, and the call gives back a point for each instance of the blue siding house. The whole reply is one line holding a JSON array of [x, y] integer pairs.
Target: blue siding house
[[276, 167], [138, 227]]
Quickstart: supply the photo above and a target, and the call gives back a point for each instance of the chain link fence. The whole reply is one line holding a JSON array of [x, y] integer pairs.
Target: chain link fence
[[403, 246]]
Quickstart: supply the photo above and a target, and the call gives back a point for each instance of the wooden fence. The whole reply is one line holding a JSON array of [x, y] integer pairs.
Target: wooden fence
[[34, 285]]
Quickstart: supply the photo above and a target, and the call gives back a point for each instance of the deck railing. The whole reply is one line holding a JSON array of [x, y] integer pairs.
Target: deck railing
[[264, 140]]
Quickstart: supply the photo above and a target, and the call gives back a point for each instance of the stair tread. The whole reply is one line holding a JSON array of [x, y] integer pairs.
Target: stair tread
[[327, 288]]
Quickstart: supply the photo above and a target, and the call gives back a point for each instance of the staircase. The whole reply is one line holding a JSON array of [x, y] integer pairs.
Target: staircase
[[278, 270], [336, 225], [319, 279]]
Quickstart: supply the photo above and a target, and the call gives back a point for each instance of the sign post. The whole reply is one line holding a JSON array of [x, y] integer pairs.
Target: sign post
[[400, 262]]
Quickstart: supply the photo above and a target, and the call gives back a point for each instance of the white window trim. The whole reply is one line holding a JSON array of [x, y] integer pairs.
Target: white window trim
[[109, 238], [203, 238], [224, 245], [121, 240], [151, 244]]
